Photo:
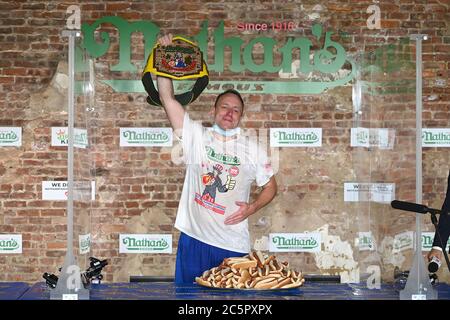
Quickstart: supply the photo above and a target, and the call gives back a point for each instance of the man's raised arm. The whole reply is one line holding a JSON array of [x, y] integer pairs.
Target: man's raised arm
[[174, 110]]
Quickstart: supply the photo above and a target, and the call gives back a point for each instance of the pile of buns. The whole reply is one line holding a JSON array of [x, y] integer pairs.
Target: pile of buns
[[253, 271]]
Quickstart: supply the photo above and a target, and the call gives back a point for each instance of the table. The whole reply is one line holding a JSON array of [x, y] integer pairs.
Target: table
[[12, 290], [170, 291]]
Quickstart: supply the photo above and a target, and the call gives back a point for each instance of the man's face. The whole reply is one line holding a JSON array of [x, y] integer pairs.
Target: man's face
[[228, 111]]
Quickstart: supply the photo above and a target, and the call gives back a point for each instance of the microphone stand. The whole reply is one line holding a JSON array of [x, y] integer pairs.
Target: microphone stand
[[435, 223]]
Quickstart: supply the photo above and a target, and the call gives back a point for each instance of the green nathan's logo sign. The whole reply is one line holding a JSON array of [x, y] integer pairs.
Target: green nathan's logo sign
[[145, 137], [85, 243], [427, 241], [330, 61], [365, 241], [80, 139], [436, 137], [295, 242], [10, 243], [295, 137], [403, 241], [10, 136], [372, 137], [145, 243]]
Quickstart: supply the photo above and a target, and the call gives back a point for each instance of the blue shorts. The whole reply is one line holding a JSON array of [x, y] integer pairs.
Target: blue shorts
[[194, 257]]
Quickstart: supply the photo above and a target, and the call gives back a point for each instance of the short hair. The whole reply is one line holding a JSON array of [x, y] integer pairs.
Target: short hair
[[232, 91]]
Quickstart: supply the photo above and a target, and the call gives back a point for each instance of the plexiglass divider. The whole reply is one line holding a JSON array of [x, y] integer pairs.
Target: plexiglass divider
[[71, 285], [386, 156], [418, 286]]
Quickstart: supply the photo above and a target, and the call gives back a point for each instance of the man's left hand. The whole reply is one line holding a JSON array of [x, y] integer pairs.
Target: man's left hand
[[240, 215]]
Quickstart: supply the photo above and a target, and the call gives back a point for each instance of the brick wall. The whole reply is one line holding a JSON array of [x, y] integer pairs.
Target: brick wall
[[138, 188]]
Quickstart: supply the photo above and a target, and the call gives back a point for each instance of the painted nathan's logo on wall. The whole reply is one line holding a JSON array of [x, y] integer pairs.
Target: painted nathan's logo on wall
[[10, 136], [145, 243], [295, 137], [295, 242], [145, 137], [330, 60], [436, 137], [10, 243]]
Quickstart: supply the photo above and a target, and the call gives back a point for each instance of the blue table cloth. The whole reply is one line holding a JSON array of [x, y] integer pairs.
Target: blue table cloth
[[170, 291]]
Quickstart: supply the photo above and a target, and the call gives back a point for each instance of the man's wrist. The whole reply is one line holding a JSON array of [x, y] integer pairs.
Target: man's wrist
[[252, 208]]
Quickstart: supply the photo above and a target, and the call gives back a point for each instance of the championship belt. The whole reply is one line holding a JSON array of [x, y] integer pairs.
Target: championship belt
[[180, 60]]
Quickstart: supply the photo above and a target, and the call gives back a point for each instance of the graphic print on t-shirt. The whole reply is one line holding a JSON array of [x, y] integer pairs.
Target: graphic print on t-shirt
[[212, 180]]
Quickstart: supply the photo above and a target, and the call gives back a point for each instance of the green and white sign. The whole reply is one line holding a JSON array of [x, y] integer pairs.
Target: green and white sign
[[427, 241], [295, 242], [10, 243], [60, 137], [295, 137], [363, 192], [403, 241], [145, 137], [145, 243], [372, 137], [365, 241], [84, 243], [80, 138], [436, 137], [10, 136]]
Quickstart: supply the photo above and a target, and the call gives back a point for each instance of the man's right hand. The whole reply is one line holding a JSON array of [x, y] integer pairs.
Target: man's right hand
[[174, 110], [165, 40]]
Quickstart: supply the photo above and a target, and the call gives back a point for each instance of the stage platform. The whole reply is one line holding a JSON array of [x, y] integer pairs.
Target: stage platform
[[170, 291]]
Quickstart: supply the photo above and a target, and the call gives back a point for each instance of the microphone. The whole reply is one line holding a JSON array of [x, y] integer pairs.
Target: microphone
[[434, 264], [414, 207]]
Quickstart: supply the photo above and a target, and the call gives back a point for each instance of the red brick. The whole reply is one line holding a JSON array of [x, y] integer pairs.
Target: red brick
[[12, 204], [56, 245], [117, 6], [53, 213]]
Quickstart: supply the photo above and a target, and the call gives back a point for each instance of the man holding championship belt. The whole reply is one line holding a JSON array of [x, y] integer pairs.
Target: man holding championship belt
[[221, 164]]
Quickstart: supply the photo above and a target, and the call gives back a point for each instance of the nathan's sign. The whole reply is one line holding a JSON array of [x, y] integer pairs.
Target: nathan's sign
[[295, 242], [403, 241], [145, 243], [10, 136], [84, 242], [329, 60], [436, 137], [295, 137], [427, 241], [145, 137], [10, 243]]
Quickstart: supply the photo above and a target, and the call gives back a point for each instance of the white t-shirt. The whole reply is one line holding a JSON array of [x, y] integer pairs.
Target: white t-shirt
[[218, 174]]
